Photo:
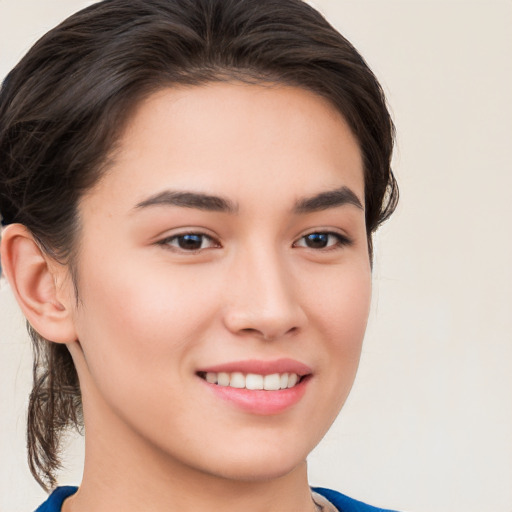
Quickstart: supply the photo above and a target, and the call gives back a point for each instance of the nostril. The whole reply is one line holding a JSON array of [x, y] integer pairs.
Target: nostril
[[250, 330], [259, 333], [267, 334]]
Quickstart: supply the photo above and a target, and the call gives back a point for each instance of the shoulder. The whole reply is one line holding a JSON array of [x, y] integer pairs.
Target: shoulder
[[344, 503], [56, 498]]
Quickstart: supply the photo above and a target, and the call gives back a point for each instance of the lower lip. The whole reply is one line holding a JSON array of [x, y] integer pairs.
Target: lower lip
[[260, 401]]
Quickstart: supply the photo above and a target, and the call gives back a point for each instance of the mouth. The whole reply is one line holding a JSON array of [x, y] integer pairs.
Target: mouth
[[258, 387], [253, 381]]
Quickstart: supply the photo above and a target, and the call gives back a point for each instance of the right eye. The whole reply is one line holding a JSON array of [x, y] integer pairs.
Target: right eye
[[190, 242]]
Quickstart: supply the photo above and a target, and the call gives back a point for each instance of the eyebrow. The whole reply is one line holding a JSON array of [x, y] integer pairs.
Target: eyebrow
[[195, 200], [200, 201], [326, 200]]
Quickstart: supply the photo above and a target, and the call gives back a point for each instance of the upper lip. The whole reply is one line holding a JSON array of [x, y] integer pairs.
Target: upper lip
[[260, 367]]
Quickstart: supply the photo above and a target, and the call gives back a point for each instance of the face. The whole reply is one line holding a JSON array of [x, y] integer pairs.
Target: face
[[224, 250]]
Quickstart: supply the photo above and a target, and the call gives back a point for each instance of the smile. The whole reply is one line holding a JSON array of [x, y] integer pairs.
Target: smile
[[258, 386], [252, 381]]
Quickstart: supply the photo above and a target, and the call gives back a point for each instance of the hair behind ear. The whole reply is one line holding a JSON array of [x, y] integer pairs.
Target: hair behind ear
[[55, 405]]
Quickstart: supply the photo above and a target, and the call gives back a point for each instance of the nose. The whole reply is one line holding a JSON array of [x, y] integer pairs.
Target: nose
[[263, 298]]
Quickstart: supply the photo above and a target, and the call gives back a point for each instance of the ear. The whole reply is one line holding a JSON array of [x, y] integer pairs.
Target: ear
[[41, 285]]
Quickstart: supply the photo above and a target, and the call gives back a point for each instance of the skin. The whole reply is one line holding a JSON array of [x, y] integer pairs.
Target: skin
[[151, 313]]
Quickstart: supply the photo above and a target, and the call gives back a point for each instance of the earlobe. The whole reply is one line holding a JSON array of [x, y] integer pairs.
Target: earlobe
[[38, 283]]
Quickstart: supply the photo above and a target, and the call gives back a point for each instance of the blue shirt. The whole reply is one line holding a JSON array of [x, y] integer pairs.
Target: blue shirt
[[340, 501]]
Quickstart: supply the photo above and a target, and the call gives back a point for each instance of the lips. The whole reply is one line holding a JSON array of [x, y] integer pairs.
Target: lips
[[259, 387]]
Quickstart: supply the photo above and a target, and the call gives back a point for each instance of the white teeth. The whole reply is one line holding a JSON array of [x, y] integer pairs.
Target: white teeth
[[223, 379], [272, 382], [237, 380], [292, 379], [253, 381]]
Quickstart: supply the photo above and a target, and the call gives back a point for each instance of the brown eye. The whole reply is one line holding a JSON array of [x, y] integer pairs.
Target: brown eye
[[190, 242], [317, 240], [322, 240]]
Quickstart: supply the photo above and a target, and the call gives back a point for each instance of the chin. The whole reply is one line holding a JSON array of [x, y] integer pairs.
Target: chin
[[260, 473], [265, 464]]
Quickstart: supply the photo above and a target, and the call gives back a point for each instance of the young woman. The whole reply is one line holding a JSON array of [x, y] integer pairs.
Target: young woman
[[189, 189]]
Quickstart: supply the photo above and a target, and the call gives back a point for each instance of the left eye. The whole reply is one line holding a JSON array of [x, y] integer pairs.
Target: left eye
[[321, 240], [190, 242]]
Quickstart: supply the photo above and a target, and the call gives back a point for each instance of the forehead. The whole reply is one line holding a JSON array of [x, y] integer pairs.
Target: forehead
[[232, 137]]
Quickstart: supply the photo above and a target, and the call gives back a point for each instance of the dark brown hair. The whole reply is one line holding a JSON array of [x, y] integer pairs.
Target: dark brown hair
[[62, 109]]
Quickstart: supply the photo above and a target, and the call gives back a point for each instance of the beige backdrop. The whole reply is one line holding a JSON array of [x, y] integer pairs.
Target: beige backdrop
[[428, 427]]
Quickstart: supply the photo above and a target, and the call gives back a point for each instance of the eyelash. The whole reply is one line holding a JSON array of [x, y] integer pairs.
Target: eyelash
[[340, 241], [176, 238]]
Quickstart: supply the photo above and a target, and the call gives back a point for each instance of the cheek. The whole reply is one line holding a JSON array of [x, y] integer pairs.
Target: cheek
[[137, 332], [121, 325], [140, 318], [341, 309], [349, 313], [341, 302]]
